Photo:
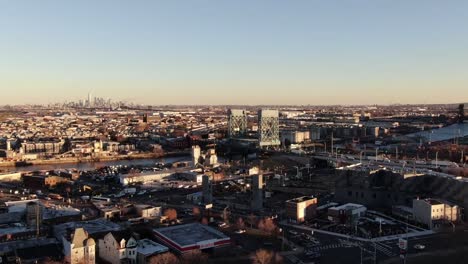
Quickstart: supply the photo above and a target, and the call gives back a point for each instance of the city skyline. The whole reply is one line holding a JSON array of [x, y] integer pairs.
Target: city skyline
[[260, 53]]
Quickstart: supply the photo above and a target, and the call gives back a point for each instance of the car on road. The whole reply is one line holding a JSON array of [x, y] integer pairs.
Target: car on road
[[223, 225], [419, 246], [240, 231]]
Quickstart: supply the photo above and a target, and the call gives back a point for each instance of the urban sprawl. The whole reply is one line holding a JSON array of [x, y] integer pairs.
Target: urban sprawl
[[101, 182]]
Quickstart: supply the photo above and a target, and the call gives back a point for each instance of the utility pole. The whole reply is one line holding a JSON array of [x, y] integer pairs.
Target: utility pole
[[38, 231], [336, 154], [380, 227]]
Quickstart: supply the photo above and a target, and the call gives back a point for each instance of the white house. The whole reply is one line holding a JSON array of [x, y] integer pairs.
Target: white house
[[117, 248], [80, 249]]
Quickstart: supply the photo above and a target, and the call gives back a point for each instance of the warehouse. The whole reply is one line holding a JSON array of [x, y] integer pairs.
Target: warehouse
[[188, 237]]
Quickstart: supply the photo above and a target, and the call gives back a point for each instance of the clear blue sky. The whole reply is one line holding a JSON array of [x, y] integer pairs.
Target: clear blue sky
[[235, 52]]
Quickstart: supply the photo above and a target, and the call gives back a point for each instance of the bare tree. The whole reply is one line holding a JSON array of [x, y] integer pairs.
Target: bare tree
[[240, 223], [165, 258], [226, 215], [194, 257], [261, 224], [263, 256], [171, 214], [50, 261], [267, 225], [196, 212], [252, 219]]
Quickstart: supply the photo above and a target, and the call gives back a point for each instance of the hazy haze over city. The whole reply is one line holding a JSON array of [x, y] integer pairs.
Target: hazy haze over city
[[235, 52]]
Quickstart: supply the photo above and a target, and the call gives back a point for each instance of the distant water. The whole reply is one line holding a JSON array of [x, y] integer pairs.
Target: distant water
[[95, 165], [442, 134]]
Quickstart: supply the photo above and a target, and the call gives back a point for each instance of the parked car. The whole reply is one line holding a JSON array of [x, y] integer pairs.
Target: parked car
[[240, 231], [419, 247]]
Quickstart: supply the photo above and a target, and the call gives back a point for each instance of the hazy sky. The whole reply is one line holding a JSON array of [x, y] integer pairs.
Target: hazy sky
[[235, 52]]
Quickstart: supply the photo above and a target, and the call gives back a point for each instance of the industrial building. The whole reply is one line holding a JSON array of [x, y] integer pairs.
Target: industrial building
[[188, 237], [294, 137], [148, 177], [42, 181], [429, 211], [268, 128], [44, 147], [301, 209], [208, 158], [126, 179], [8, 177], [346, 213]]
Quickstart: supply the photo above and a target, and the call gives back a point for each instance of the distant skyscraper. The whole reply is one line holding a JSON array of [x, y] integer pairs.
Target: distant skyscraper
[[89, 99], [237, 123], [268, 128]]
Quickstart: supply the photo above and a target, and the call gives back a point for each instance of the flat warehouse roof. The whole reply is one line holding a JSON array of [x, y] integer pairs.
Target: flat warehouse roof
[[191, 236]]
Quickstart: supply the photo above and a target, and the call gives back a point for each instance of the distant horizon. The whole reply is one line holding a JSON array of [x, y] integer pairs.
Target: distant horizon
[[117, 100], [240, 105]]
